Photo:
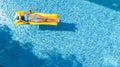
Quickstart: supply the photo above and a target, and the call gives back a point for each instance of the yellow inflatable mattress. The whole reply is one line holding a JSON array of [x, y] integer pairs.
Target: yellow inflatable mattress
[[54, 16]]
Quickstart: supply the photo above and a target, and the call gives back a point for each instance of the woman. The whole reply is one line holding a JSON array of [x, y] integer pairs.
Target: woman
[[33, 18]]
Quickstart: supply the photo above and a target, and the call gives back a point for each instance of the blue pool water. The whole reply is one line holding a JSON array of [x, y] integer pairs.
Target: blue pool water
[[87, 35]]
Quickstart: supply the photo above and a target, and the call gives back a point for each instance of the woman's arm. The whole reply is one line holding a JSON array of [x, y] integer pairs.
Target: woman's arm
[[30, 11]]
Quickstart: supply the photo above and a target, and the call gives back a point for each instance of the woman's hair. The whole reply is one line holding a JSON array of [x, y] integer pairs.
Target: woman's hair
[[22, 17], [17, 17]]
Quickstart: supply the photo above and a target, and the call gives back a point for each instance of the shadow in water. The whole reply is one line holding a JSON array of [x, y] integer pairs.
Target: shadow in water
[[55, 59], [15, 54], [61, 27], [113, 4]]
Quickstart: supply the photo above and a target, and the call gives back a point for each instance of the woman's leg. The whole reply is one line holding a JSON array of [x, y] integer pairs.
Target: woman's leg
[[40, 18], [52, 20]]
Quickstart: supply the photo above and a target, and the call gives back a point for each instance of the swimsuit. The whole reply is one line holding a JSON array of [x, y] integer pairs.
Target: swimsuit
[[26, 16], [35, 18]]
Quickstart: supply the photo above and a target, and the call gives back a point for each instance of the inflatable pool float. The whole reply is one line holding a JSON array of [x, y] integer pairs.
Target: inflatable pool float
[[53, 16]]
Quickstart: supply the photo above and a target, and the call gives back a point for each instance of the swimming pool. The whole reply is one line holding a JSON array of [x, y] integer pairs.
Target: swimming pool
[[87, 36]]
